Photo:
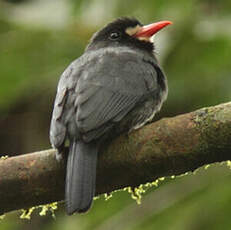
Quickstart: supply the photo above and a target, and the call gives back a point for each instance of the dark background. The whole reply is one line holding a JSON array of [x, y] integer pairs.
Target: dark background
[[39, 39]]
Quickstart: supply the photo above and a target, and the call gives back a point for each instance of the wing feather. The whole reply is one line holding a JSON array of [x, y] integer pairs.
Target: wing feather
[[97, 89]]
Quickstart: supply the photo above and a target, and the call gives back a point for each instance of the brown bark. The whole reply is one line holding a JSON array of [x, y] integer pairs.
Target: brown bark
[[171, 146]]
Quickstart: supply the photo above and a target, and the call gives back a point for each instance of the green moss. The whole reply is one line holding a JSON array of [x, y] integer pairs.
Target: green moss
[[228, 164], [107, 196], [48, 207], [137, 192], [207, 166], [96, 197], [26, 214], [4, 157]]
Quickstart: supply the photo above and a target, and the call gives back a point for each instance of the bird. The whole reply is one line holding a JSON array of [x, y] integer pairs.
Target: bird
[[114, 87]]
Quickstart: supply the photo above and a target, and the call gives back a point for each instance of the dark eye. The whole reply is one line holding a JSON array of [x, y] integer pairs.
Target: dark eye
[[114, 36]]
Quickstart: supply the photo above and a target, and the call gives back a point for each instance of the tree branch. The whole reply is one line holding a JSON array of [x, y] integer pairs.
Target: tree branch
[[171, 146]]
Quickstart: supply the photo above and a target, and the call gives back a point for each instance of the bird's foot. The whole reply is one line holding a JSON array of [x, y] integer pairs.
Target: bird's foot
[[59, 154]]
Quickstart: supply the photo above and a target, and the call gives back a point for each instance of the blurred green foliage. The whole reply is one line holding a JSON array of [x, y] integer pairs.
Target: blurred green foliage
[[195, 54], [30, 58]]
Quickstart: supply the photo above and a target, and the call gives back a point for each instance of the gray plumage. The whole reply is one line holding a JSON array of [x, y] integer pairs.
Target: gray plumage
[[80, 179], [108, 89]]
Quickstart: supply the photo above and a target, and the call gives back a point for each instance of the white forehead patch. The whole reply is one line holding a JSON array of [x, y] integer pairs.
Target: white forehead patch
[[132, 30]]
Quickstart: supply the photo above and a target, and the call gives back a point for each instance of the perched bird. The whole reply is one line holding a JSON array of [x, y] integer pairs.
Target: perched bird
[[116, 86]]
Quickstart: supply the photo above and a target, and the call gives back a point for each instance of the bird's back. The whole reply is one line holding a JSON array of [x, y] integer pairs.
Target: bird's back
[[100, 88]]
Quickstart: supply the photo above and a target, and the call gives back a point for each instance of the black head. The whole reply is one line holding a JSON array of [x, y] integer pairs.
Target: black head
[[120, 33]]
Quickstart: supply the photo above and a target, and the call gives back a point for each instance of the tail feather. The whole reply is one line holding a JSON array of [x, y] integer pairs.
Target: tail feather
[[81, 176]]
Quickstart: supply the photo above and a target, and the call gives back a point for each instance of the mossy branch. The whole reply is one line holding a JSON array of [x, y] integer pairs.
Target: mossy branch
[[171, 146]]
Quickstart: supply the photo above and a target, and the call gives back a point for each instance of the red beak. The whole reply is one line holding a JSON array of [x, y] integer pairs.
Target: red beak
[[151, 29]]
